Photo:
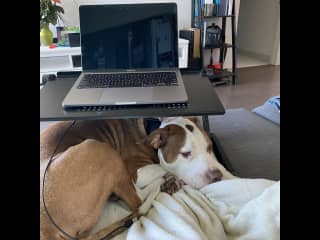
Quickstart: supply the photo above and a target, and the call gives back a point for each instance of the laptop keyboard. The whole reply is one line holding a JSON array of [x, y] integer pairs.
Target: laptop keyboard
[[124, 80]]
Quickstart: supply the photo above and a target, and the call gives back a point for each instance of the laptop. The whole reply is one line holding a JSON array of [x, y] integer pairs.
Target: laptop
[[129, 55]]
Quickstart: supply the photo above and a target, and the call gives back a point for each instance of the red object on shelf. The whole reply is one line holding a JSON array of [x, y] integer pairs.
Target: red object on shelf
[[217, 66], [52, 45]]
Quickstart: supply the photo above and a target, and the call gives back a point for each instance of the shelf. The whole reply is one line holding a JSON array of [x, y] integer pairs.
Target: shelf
[[225, 81], [189, 71], [225, 45], [59, 51], [223, 74], [59, 69], [212, 17]]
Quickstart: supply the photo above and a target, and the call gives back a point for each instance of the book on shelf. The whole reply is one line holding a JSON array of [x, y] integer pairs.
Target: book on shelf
[[204, 33], [208, 8], [215, 7], [194, 49], [196, 10], [223, 7], [230, 6], [197, 44], [193, 35]]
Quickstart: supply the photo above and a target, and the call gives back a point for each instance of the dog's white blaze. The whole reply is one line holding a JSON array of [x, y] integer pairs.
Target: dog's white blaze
[[192, 170]]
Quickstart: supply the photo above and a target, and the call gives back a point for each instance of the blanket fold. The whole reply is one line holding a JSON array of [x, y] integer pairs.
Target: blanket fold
[[235, 209]]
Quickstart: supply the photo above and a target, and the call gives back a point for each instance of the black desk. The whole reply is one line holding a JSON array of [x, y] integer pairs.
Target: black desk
[[202, 101]]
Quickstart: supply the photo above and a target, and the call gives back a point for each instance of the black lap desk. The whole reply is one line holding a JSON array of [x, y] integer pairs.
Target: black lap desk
[[202, 101]]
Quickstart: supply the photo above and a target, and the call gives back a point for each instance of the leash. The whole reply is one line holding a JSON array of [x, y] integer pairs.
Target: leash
[[43, 184], [106, 233], [114, 229]]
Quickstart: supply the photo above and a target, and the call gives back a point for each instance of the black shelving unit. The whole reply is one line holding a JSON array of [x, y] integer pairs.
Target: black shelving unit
[[223, 76]]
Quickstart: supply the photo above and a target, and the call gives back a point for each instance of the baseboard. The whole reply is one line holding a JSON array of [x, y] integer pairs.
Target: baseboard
[[259, 56]]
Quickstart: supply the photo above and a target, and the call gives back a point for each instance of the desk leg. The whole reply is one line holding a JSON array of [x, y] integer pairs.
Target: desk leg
[[219, 153], [205, 122]]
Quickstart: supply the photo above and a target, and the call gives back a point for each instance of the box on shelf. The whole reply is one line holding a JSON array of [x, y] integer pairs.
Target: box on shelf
[[183, 53], [68, 36], [194, 48], [74, 39]]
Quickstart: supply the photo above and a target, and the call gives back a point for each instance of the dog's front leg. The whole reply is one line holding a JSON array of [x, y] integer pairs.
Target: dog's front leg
[[127, 192]]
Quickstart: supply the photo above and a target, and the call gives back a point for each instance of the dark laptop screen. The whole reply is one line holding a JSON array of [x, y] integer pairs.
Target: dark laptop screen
[[129, 36]]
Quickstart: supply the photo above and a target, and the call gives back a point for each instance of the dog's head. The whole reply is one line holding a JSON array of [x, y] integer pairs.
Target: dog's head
[[185, 150]]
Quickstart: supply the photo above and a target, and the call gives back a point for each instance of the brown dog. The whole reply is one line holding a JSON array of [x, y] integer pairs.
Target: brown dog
[[94, 160], [99, 158]]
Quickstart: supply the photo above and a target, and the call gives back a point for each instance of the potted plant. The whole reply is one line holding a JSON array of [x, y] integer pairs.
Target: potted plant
[[50, 12]]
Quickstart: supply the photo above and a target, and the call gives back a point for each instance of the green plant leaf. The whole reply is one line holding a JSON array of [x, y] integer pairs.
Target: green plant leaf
[[49, 12]]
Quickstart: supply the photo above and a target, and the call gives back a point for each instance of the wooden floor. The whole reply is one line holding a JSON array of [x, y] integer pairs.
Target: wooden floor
[[255, 85]]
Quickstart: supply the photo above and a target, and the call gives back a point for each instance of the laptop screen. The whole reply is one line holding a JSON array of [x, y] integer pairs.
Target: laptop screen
[[129, 36]]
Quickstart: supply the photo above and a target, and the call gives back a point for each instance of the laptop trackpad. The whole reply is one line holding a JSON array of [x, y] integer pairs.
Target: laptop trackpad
[[126, 96]]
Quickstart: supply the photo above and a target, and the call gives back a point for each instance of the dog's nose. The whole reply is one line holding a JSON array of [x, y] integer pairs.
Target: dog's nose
[[214, 175]]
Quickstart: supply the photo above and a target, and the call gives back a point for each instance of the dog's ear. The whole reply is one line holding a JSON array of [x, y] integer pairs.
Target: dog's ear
[[196, 121], [158, 138]]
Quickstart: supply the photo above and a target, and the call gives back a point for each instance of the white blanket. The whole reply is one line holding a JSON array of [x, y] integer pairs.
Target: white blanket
[[231, 209]]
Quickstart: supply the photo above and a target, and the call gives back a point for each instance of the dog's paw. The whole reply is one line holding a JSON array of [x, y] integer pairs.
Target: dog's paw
[[171, 184]]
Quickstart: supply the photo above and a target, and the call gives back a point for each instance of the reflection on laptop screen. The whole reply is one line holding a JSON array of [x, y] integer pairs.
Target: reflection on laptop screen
[[129, 36]]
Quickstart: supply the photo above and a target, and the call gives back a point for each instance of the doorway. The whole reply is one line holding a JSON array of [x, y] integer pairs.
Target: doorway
[[258, 33]]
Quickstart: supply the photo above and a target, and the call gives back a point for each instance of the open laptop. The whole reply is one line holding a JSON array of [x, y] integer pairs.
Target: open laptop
[[129, 56]]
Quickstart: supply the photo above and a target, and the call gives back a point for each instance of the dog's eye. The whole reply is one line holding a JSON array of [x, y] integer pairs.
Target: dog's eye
[[186, 154]]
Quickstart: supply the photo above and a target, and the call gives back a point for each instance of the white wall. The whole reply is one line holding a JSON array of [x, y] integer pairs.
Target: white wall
[[275, 59], [71, 15], [257, 26]]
